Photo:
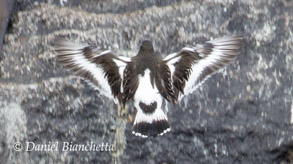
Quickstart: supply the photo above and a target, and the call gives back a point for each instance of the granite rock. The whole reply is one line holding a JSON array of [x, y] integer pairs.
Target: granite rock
[[5, 11], [244, 114]]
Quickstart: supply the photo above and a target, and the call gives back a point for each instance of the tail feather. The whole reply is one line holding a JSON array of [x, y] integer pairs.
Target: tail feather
[[151, 125]]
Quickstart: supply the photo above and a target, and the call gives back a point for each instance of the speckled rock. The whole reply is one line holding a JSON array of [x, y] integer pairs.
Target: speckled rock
[[5, 11], [243, 114]]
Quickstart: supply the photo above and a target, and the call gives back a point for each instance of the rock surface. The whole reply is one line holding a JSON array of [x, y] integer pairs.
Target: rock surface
[[5, 11], [242, 115]]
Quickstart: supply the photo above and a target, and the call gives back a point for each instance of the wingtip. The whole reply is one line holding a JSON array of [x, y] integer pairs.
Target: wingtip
[[57, 42], [234, 42], [62, 44]]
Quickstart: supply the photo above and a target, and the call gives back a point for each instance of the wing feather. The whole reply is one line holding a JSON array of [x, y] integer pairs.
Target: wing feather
[[101, 69], [191, 66]]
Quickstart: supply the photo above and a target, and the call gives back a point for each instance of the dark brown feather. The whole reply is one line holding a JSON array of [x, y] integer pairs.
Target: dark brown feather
[[111, 70], [164, 83], [130, 82], [183, 68]]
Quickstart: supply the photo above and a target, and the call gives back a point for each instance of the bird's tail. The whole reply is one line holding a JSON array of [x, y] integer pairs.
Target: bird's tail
[[150, 124]]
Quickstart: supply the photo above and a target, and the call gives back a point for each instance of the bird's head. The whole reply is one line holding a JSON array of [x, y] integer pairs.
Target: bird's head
[[146, 46]]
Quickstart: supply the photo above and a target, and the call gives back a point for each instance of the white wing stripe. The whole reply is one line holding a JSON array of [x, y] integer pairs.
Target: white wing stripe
[[119, 63], [104, 52], [170, 56], [216, 55], [126, 59], [96, 71], [121, 66], [188, 49], [72, 56]]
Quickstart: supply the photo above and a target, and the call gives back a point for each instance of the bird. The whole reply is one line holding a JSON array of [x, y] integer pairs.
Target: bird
[[148, 79]]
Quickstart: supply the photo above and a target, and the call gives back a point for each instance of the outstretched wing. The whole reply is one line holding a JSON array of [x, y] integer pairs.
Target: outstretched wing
[[103, 70], [191, 66]]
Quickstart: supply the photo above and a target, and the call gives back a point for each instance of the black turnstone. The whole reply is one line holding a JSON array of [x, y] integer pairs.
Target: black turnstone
[[147, 79]]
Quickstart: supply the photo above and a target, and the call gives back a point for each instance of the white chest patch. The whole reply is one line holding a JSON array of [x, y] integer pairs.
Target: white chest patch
[[145, 92]]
